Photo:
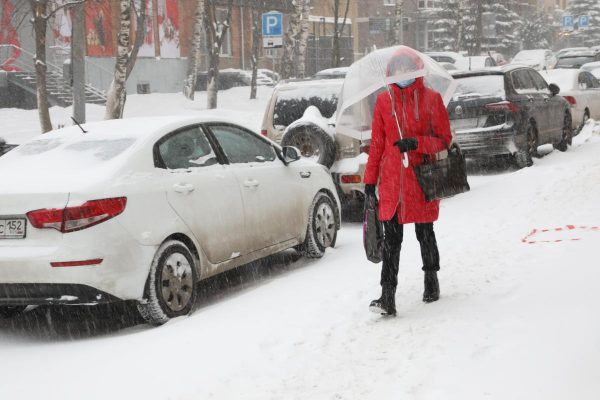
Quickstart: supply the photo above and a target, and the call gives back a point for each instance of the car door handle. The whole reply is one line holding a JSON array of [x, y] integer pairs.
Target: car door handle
[[183, 188], [251, 183], [305, 174]]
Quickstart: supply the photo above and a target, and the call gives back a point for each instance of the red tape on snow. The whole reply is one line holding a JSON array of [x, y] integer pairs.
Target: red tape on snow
[[527, 239]]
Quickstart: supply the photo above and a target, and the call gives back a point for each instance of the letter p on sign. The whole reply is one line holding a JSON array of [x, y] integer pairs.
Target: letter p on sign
[[272, 24]]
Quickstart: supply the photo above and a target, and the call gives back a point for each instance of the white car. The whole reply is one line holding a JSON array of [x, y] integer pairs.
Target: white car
[[143, 209], [593, 67], [445, 56], [537, 59], [581, 89]]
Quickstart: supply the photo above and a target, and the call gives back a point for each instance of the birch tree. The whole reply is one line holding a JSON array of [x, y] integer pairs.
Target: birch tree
[[397, 36], [338, 30], [289, 41], [217, 31], [189, 85], [117, 94], [303, 37], [39, 10]]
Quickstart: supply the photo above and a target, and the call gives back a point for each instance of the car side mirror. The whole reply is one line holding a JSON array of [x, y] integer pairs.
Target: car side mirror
[[554, 89], [290, 154]]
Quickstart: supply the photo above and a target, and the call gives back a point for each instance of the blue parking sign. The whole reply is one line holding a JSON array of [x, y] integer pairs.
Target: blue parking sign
[[584, 22], [568, 23], [272, 24]]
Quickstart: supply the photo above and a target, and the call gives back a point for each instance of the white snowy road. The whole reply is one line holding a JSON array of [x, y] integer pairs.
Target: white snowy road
[[515, 321]]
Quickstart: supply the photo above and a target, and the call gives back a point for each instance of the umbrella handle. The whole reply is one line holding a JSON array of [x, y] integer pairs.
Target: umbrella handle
[[405, 160]]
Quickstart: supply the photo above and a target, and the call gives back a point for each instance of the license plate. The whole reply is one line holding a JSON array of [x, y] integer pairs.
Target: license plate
[[12, 228]]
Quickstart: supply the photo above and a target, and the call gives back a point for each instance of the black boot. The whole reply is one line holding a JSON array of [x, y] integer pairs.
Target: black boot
[[432, 287], [386, 304]]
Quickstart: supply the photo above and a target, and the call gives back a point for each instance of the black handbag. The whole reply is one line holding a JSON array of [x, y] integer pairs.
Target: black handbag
[[372, 230], [440, 179]]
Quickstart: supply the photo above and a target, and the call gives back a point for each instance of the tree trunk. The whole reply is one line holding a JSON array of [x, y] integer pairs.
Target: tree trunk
[[39, 8], [289, 41], [195, 52], [217, 31], [256, 36], [140, 35], [115, 102], [78, 62], [398, 26], [478, 29], [303, 39], [337, 32]]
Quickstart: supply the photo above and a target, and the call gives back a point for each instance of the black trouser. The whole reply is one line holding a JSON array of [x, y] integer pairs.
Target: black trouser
[[393, 233]]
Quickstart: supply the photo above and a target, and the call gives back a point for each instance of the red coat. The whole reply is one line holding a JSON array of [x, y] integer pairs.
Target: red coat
[[422, 114]]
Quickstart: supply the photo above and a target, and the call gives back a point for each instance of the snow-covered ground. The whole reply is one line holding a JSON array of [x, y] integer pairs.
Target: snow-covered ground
[[21, 125], [516, 320]]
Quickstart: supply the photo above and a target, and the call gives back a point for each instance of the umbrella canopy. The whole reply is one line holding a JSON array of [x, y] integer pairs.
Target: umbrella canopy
[[370, 75]]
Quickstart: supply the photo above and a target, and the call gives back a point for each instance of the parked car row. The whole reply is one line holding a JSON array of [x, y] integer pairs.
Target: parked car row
[[143, 209]]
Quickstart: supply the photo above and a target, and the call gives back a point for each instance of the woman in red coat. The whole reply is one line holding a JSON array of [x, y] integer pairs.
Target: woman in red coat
[[425, 131]]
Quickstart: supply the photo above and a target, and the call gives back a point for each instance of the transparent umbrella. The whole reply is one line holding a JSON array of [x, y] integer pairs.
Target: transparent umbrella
[[372, 74]]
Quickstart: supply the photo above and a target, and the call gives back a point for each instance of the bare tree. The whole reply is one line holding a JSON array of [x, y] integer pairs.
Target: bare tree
[[289, 41], [303, 37], [195, 51], [338, 30], [39, 10], [398, 33], [258, 8], [117, 94], [140, 34], [217, 31]]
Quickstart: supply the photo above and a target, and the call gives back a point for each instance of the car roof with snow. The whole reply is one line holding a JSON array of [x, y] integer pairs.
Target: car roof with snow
[[487, 71], [295, 83]]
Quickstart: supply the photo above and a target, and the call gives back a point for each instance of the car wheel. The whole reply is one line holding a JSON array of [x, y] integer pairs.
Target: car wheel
[[523, 157], [586, 117], [171, 286], [11, 311], [322, 227], [567, 134], [313, 143]]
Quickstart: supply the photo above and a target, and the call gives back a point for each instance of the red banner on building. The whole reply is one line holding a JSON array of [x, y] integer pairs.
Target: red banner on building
[[98, 30], [8, 35], [62, 25], [168, 28]]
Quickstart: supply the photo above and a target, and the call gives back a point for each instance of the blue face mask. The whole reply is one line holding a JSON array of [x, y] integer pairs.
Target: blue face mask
[[406, 83]]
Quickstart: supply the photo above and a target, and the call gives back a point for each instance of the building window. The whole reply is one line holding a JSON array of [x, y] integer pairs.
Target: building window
[[389, 2], [429, 4], [226, 44]]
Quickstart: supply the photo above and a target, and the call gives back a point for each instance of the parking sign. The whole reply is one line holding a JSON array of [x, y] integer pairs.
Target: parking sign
[[272, 24], [584, 22], [568, 23]]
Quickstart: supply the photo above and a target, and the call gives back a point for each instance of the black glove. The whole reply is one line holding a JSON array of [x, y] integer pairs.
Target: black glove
[[407, 144], [370, 190]]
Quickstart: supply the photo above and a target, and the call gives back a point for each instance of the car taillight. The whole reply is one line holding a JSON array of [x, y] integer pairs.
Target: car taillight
[[263, 132], [350, 178], [502, 106], [72, 219], [571, 100]]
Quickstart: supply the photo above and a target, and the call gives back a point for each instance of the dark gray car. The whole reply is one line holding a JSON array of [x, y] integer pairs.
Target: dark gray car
[[508, 111]]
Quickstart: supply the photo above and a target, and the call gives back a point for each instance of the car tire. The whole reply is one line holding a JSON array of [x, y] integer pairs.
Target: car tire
[[567, 134], [171, 285], [322, 227], [313, 143], [524, 157], [586, 117], [11, 311]]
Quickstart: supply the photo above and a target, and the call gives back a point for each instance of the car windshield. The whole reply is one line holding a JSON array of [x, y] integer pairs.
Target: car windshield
[[574, 62], [291, 104], [479, 86]]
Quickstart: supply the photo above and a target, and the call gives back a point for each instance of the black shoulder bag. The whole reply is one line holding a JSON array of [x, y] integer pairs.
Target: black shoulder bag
[[440, 179]]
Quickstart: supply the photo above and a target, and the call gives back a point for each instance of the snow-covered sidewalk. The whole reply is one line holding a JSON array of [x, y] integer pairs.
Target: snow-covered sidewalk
[[515, 321]]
